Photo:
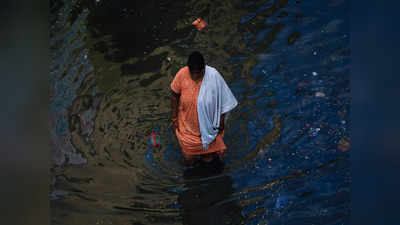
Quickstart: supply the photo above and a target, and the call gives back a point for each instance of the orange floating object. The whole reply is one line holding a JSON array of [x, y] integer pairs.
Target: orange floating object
[[200, 24]]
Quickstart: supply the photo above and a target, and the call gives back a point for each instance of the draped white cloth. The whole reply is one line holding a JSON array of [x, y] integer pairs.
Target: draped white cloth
[[215, 98]]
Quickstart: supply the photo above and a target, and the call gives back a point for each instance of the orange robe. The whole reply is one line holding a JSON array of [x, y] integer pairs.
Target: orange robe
[[188, 132]]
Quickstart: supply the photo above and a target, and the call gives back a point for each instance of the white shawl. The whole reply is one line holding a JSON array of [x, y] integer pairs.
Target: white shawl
[[215, 98]]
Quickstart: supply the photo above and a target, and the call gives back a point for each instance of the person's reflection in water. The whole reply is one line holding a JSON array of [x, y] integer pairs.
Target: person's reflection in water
[[207, 199]]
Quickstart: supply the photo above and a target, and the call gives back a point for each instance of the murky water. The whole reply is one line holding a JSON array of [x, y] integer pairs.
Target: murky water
[[287, 62]]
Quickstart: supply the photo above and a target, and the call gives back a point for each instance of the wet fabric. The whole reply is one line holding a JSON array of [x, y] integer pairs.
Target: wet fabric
[[188, 132], [215, 98]]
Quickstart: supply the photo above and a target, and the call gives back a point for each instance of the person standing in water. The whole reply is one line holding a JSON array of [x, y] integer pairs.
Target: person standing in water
[[200, 99]]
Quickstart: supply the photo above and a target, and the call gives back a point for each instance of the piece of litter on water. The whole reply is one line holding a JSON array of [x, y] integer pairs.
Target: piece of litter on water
[[319, 94], [314, 73], [314, 53], [344, 145], [155, 139], [200, 24]]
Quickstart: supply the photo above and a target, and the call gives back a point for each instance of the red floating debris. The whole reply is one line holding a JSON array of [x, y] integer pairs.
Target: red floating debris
[[155, 140], [200, 24]]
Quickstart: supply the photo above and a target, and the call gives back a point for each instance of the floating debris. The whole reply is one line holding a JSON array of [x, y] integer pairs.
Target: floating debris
[[200, 24], [320, 94], [344, 145], [155, 139], [314, 73]]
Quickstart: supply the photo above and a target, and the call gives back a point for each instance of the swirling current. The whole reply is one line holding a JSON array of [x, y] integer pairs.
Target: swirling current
[[287, 63]]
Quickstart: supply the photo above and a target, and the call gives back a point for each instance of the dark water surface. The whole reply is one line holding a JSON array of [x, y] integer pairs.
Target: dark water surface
[[287, 63]]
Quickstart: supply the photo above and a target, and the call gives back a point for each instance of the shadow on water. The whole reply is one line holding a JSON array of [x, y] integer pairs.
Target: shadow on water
[[207, 198], [132, 28]]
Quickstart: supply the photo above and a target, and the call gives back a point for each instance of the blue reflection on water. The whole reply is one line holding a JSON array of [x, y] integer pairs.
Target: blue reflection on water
[[311, 92]]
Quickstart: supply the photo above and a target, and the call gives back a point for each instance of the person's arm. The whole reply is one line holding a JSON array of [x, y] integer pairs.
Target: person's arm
[[174, 108]]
